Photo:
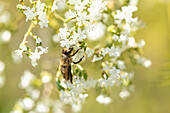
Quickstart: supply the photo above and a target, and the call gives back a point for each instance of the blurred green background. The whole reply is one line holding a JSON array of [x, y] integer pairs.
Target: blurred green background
[[152, 86]]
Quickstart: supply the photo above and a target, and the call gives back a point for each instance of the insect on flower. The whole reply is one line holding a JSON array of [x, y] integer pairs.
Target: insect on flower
[[65, 62]]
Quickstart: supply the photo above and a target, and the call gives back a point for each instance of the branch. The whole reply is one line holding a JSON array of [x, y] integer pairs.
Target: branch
[[59, 17], [28, 32]]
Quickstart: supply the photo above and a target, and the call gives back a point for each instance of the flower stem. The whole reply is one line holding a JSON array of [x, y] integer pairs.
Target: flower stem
[[59, 17], [69, 19], [28, 32]]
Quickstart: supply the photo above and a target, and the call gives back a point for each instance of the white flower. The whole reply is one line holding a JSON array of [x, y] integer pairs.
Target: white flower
[[114, 51], [63, 33], [121, 64], [38, 40], [35, 94], [70, 14], [26, 79], [56, 38], [82, 17], [19, 53], [42, 108], [95, 58], [43, 50], [16, 111], [131, 42], [127, 29], [133, 2], [40, 6], [2, 66], [83, 95], [82, 35], [113, 71], [76, 95], [21, 49], [54, 7], [6, 36], [97, 32], [29, 13], [124, 19], [126, 13], [89, 52], [96, 8], [34, 56], [115, 37], [43, 20], [123, 39], [38, 10], [106, 82], [143, 61], [80, 6], [61, 5], [76, 107], [46, 79], [105, 51], [4, 17], [43, 23], [28, 103], [89, 84], [42, 15], [65, 43], [73, 2], [103, 100], [93, 12], [66, 40], [74, 37], [124, 94], [141, 43], [147, 63]]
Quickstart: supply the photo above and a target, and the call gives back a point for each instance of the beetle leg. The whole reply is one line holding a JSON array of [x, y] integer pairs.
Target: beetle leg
[[79, 60], [75, 52]]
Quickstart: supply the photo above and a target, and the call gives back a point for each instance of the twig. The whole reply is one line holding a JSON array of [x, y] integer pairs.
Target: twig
[[59, 17], [28, 32]]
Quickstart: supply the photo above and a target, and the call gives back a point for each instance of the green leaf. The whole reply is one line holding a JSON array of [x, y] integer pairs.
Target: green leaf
[[80, 74], [59, 87], [76, 70], [21, 10], [85, 76]]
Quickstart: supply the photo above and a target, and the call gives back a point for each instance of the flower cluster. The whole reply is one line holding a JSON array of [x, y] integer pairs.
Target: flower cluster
[[54, 7], [75, 94], [103, 100], [4, 14], [5, 34], [5, 37], [85, 20], [85, 14], [124, 19], [34, 56], [71, 37], [86, 11], [37, 100], [37, 13], [120, 41]]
